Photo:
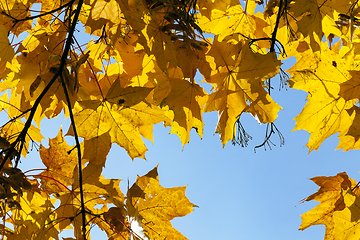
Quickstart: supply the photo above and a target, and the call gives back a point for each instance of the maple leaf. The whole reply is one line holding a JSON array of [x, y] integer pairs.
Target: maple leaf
[[131, 56], [186, 99], [96, 185], [325, 112], [330, 196], [97, 149], [190, 56], [208, 8], [159, 27], [224, 22], [124, 116], [333, 197], [239, 88], [6, 51], [41, 53], [69, 212], [153, 77], [43, 46], [158, 205], [309, 21], [60, 162]]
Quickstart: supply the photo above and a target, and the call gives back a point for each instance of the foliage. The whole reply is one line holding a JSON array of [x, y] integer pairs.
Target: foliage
[[138, 70]]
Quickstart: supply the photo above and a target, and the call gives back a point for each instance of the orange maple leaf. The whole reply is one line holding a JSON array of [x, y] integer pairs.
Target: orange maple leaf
[[60, 160]]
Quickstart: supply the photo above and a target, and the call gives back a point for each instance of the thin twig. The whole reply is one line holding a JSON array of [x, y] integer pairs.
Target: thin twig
[[14, 118], [16, 21]]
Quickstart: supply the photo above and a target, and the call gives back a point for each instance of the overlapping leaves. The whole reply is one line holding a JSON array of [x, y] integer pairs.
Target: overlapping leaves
[[138, 70]]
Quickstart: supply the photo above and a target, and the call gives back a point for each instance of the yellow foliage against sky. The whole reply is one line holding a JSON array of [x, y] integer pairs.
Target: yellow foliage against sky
[[137, 68]]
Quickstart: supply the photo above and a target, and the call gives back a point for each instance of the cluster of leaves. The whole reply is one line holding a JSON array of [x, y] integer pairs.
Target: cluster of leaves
[[138, 70]]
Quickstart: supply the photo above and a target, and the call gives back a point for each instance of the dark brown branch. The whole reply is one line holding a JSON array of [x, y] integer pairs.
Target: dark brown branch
[[273, 35], [83, 211]]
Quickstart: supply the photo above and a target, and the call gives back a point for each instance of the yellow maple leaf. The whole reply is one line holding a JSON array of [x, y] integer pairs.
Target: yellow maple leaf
[[102, 18], [153, 77], [95, 185], [190, 58], [226, 22], [347, 221], [6, 51], [207, 8], [325, 113], [309, 20], [97, 148], [331, 198], [35, 217], [158, 205], [124, 116], [186, 99], [44, 45], [315, 19], [239, 87], [131, 57]]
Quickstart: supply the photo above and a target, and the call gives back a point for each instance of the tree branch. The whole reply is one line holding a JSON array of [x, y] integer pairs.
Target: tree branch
[[273, 35], [83, 212]]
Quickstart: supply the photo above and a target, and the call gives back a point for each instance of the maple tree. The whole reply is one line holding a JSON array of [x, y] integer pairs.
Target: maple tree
[[137, 68]]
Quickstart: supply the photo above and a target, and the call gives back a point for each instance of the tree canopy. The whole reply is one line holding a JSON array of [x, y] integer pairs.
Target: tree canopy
[[135, 68]]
